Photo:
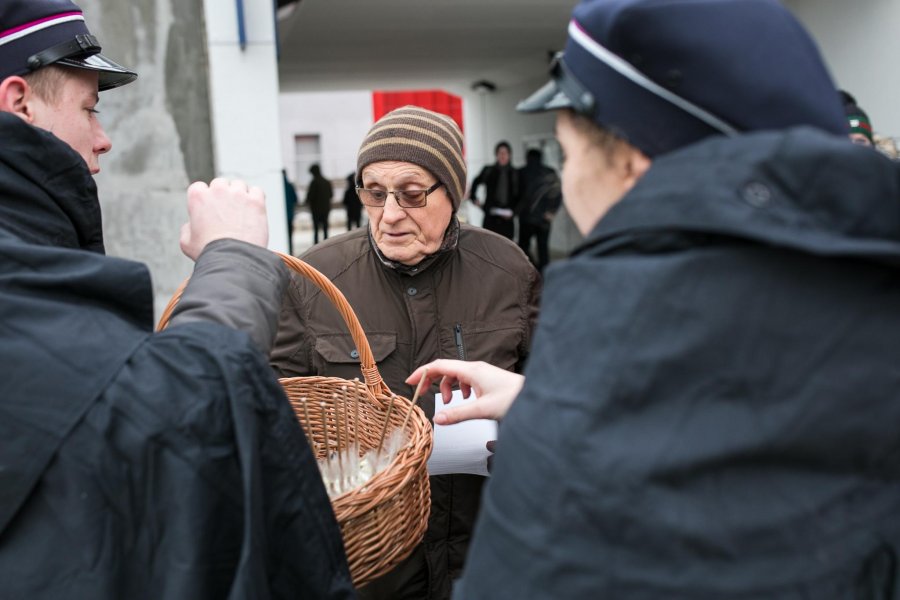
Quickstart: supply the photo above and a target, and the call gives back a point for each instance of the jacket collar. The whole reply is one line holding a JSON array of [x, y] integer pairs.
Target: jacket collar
[[451, 240], [801, 189], [47, 193]]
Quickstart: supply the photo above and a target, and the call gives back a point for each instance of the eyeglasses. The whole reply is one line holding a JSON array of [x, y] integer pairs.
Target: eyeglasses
[[405, 198]]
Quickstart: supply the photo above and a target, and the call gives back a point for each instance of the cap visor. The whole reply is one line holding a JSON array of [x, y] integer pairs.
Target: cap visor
[[549, 97], [112, 75]]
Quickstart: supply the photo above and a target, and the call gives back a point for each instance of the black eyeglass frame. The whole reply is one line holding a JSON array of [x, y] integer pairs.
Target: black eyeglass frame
[[397, 196]]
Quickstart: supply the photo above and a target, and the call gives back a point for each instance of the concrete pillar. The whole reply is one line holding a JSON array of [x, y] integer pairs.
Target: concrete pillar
[[160, 130], [201, 107], [244, 109]]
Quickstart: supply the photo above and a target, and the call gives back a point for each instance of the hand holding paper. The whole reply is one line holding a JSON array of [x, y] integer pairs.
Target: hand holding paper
[[495, 387]]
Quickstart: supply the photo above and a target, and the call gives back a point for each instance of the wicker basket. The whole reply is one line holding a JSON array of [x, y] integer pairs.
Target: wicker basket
[[384, 520]]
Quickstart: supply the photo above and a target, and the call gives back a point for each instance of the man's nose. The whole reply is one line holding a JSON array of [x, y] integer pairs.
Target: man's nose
[[102, 143], [392, 210]]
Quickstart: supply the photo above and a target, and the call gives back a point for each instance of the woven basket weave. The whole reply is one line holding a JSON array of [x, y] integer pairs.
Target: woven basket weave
[[383, 520]]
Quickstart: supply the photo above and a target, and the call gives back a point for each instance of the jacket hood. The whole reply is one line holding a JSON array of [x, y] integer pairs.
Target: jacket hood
[[47, 193], [801, 189]]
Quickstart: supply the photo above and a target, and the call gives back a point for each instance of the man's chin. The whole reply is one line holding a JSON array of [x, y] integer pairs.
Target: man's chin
[[403, 256]]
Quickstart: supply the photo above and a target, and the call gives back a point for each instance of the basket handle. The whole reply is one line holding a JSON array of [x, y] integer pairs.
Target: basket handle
[[366, 359]]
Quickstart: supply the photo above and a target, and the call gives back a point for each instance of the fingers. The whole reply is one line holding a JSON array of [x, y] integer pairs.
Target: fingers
[[226, 208], [442, 367], [449, 416]]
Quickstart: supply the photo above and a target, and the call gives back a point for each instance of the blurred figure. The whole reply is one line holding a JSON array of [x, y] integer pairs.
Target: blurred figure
[[540, 198], [290, 205], [861, 131], [319, 195], [352, 204], [136, 464], [424, 286], [501, 184]]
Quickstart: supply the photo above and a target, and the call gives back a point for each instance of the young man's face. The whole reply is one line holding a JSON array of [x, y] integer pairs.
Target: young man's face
[[73, 117]]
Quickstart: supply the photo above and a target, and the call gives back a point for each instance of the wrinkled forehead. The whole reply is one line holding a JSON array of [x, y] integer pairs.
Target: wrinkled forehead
[[400, 171]]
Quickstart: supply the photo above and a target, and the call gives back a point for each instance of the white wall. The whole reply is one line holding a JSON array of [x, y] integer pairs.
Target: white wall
[[860, 40], [340, 119], [244, 98]]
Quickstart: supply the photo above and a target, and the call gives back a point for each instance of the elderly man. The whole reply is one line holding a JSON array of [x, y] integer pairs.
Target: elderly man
[[710, 407], [423, 287], [133, 464]]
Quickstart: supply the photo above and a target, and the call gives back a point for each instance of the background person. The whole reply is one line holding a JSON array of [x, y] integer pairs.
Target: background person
[[135, 464], [352, 203], [318, 197], [290, 205], [540, 198], [860, 126], [423, 286], [501, 185], [709, 408]]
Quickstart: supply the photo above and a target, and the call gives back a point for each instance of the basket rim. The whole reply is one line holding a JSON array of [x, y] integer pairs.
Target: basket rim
[[367, 365]]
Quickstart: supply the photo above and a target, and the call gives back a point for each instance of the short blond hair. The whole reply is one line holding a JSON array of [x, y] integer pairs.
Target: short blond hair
[[46, 82]]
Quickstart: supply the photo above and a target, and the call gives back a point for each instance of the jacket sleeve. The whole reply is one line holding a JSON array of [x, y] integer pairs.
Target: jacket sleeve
[[291, 355], [531, 300], [480, 179], [238, 285]]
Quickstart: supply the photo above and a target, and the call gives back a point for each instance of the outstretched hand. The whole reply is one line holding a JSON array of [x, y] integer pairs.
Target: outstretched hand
[[496, 388], [223, 209]]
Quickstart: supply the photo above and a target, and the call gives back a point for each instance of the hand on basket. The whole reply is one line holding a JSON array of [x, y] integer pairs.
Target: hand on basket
[[224, 209], [496, 388]]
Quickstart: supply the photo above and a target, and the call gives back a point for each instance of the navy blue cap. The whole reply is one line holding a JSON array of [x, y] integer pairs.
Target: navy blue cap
[[37, 33], [663, 74]]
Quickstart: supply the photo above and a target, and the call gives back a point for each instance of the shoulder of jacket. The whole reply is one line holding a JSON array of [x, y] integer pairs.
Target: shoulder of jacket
[[492, 247], [337, 253]]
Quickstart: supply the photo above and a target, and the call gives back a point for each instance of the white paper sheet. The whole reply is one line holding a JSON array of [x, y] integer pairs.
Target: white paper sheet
[[460, 448]]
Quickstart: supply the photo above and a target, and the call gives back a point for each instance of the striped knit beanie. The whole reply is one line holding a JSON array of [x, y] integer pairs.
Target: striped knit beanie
[[422, 137]]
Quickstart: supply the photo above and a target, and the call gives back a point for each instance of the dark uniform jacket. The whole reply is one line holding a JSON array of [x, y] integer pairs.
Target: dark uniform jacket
[[133, 464], [476, 301], [712, 401]]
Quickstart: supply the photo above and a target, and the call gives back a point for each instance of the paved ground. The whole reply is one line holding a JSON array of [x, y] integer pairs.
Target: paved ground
[[303, 231]]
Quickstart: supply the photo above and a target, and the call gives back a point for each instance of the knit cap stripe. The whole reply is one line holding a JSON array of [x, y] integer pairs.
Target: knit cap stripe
[[447, 125], [394, 120], [421, 130], [417, 144]]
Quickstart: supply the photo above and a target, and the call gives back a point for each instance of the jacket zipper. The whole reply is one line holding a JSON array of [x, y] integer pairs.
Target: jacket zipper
[[460, 347]]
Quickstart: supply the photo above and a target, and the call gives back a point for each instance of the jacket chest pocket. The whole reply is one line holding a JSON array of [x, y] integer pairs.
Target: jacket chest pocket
[[499, 347], [336, 354]]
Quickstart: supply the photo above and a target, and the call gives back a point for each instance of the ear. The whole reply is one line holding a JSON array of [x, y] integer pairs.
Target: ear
[[635, 164], [15, 98]]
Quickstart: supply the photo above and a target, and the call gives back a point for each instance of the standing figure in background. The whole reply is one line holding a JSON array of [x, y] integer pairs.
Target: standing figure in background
[[352, 203], [501, 184], [318, 198], [290, 205], [857, 120], [541, 196]]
